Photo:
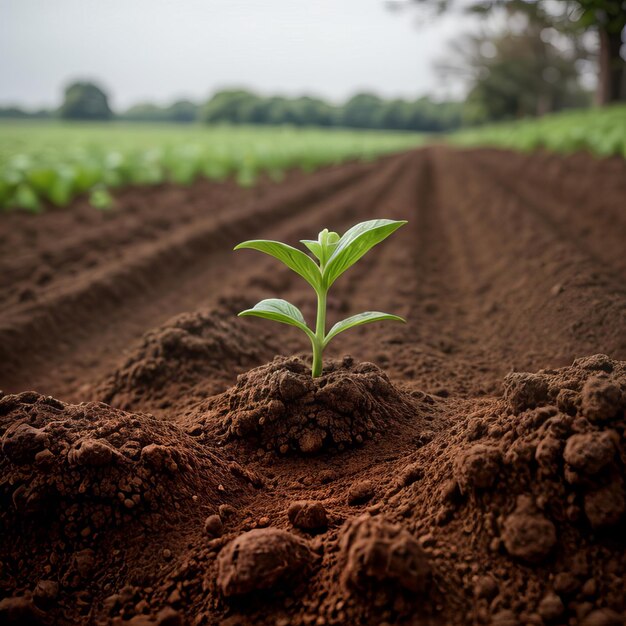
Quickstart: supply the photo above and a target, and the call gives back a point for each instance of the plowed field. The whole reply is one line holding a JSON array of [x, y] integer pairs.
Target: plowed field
[[165, 462]]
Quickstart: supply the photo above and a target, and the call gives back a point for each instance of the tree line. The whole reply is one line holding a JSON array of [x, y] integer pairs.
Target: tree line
[[364, 110], [88, 101]]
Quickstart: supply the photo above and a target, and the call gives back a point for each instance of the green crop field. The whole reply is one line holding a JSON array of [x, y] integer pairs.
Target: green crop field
[[600, 131], [44, 162], [50, 162]]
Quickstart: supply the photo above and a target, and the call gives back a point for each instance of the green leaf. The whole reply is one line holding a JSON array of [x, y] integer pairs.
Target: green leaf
[[357, 320], [329, 238], [324, 246], [26, 198], [293, 258], [279, 311], [41, 179], [101, 199], [61, 191], [314, 247], [355, 243]]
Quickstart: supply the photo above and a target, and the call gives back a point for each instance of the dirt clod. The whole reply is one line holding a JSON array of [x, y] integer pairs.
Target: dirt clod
[[505, 617], [589, 453], [550, 608], [374, 551], [262, 559], [477, 468], [92, 453], [486, 587], [213, 526], [45, 592], [606, 505], [603, 617], [602, 398], [528, 535], [523, 390], [308, 516], [361, 492]]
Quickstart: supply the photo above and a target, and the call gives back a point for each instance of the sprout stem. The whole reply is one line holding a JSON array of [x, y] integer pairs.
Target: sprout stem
[[320, 334]]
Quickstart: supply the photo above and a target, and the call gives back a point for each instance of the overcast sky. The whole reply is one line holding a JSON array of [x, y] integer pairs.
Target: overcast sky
[[160, 50]]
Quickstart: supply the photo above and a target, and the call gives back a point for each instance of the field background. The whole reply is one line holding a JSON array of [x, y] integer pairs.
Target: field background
[[49, 163]]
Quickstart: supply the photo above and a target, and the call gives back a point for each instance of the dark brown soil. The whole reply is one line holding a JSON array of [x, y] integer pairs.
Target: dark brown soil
[[187, 359], [467, 468], [278, 407]]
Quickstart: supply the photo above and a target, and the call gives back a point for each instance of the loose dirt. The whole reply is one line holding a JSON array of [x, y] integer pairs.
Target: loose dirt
[[279, 407], [467, 468]]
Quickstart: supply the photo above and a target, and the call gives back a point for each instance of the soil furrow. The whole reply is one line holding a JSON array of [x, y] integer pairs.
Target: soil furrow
[[86, 237], [592, 189], [110, 302], [185, 233], [549, 297], [602, 240]]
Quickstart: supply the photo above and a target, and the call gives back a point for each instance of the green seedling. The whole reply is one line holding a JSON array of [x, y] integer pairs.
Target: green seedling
[[334, 256]]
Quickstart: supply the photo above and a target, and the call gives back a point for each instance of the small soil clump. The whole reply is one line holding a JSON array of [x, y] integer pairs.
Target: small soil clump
[[375, 552], [308, 516], [527, 534], [262, 559], [279, 407]]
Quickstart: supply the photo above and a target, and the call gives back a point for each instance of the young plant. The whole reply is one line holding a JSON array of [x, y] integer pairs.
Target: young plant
[[335, 255]]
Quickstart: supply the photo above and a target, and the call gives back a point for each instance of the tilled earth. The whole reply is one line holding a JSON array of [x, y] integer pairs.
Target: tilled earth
[[165, 462]]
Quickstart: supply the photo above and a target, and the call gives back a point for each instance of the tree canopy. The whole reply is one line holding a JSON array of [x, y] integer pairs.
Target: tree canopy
[[605, 17], [85, 101], [515, 74]]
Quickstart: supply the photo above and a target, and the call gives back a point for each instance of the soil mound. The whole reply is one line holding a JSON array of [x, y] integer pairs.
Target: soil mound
[[80, 484], [192, 356], [91, 457], [536, 505], [279, 407]]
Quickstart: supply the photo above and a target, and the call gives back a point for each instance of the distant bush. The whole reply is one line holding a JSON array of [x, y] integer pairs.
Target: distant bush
[[85, 101]]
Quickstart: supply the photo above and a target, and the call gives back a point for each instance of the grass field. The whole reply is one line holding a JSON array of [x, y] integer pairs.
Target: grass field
[[600, 131], [53, 162]]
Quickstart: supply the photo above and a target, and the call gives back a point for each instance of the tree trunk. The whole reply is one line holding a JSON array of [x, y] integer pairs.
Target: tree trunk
[[611, 87]]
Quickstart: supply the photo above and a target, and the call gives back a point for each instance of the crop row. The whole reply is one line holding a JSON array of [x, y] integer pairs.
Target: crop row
[[599, 131], [45, 163]]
